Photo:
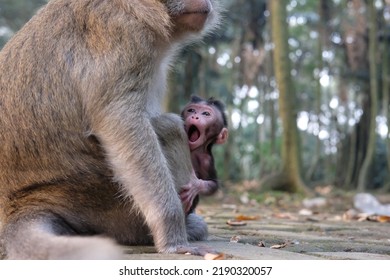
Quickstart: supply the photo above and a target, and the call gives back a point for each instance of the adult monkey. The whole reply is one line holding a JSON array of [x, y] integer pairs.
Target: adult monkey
[[80, 86]]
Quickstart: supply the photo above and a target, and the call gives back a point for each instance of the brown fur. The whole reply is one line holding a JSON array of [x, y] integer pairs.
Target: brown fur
[[79, 156], [206, 124]]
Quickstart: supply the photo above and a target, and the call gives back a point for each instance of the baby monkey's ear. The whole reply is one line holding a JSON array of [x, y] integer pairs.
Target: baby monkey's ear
[[222, 136]]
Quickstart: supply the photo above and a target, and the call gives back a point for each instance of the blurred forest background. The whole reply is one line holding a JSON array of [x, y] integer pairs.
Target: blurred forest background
[[306, 85]]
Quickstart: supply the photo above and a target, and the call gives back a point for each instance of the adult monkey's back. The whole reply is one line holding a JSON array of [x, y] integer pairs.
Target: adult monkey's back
[[79, 85]]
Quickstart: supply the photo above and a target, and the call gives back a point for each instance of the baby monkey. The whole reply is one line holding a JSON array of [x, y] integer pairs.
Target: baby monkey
[[206, 124]]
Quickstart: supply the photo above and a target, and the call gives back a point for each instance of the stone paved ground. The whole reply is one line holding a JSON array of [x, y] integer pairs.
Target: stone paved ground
[[324, 232], [321, 233]]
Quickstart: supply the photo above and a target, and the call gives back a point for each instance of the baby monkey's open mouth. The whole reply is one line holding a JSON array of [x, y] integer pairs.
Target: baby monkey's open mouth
[[193, 133]]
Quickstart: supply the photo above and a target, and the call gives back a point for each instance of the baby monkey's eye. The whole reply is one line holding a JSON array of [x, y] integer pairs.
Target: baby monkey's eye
[[191, 110], [206, 114]]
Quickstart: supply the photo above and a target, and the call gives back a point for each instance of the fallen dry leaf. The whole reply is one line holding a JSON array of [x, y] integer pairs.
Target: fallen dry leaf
[[384, 219], [379, 218], [351, 214], [288, 216], [354, 215], [247, 218], [236, 223], [235, 239], [279, 246], [212, 257], [305, 212]]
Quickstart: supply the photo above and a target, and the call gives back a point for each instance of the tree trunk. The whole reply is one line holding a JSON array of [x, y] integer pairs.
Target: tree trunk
[[290, 177], [356, 48], [364, 171], [386, 89], [323, 12]]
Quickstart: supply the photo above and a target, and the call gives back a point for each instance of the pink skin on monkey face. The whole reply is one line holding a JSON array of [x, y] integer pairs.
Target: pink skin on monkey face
[[194, 14], [201, 121]]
